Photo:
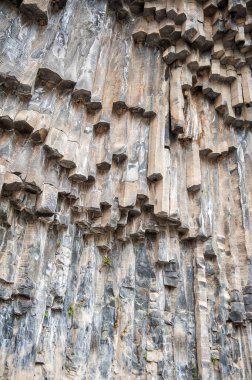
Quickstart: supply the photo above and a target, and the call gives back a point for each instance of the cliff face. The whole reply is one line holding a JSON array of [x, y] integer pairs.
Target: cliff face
[[126, 192]]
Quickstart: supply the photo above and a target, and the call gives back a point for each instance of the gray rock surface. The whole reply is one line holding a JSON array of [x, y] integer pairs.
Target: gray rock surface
[[126, 193]]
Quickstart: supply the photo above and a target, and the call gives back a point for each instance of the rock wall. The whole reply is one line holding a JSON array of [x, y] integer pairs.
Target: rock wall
[[126, 192]]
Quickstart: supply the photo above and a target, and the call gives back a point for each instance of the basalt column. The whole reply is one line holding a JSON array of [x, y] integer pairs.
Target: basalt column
[[125, 190]]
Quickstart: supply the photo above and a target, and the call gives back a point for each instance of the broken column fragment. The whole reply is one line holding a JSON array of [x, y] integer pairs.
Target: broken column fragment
[[193, 172], [176, 102], [47, 200], [170, 274], [36, 10]]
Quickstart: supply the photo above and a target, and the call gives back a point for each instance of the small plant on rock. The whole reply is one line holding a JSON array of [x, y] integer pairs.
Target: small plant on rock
[[70, 311], [106, 262], [46, 313], [115, 324], [215, 362]]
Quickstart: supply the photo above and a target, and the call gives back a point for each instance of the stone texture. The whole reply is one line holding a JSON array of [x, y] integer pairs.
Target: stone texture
[[126, 195]]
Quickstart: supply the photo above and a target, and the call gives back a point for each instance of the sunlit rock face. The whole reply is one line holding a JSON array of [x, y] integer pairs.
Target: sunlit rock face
[[126, 192]]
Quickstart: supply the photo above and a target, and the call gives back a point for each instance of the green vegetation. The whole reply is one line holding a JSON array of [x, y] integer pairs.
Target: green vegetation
[[215, 362], [194, 370], [106, 262], [67, 367], [46, 313], [146, 315], [119, 303], [70, 311]]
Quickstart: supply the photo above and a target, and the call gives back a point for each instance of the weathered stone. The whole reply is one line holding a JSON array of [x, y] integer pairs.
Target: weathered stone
[[11, 183], [125, 210], [47, 200], [237, 314], [209, 250], [170, 274], [154, 356], [35, 10]]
